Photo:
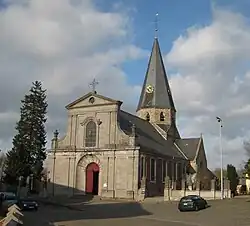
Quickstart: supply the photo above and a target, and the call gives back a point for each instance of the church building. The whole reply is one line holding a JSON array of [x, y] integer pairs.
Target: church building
[[109, 152]]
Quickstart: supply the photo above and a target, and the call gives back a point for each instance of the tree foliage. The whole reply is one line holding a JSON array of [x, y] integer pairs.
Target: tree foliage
[[247, 163], [217, 173], [247, 167], [232, 177], [246, 145], [28, 152]]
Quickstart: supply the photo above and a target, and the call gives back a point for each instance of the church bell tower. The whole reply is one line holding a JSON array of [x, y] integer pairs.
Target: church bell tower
[[156, 103]]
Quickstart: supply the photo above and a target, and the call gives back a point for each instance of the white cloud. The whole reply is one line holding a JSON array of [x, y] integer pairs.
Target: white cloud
[[9, 116], [65, 44], [69, 43], [213, 79]]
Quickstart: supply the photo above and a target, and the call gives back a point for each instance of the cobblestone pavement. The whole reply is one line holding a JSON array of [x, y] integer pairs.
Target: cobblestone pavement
[[234, 212]]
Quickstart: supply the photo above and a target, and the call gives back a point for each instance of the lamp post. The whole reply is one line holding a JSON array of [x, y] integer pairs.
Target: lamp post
[[219, 120], [56, 133]]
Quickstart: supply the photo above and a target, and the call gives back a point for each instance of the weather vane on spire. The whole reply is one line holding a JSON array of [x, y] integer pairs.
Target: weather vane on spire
[[156, 25]]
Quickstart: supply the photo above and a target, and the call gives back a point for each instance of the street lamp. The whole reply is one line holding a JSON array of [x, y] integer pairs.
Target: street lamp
[[219, 120], [56, 133]]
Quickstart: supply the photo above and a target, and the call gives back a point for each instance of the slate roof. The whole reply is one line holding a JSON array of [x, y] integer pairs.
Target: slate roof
[[156, 77], [164, 127], [147, 136], [188, 146]]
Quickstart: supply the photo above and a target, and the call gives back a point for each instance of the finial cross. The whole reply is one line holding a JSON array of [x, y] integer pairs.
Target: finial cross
[[93, 84]]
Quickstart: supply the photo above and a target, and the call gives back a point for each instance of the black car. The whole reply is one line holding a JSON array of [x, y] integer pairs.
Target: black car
[[192, 203], [23, 204], [27, 204]]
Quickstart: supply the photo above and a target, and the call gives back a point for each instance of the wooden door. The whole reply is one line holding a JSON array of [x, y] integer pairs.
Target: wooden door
[[91, 168]]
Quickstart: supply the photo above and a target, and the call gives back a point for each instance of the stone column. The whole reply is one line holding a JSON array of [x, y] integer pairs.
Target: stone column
[[142, 191], [183, 186], [229, 189], [167, 189], [173, 176], [226, 187], [213, 188], [177, 179], [174, 185], [198, 186]]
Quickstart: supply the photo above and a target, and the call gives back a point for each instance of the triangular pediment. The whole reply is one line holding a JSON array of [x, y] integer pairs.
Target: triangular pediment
[[92, 99]]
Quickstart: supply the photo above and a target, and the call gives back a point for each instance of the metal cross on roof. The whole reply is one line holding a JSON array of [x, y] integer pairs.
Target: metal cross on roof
[[156, 25], [93, 85]]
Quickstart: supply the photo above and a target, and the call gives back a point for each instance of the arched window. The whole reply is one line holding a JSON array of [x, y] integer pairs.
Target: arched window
[[162, 116], [90, 138], [148, 117]]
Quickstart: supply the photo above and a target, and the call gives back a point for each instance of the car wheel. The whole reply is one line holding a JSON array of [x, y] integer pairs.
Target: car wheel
[[196, 208]]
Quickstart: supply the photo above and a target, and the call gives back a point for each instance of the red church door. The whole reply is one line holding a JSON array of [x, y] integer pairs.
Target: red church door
[[92, 178]]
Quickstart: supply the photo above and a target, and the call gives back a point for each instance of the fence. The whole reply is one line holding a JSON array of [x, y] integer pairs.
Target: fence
[[172, 194], [13, 217]]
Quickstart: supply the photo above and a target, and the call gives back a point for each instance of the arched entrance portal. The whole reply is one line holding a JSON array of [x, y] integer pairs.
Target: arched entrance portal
[[92, 178]]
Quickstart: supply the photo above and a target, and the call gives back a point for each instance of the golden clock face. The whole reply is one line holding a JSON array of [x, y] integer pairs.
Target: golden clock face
[[150, 89]]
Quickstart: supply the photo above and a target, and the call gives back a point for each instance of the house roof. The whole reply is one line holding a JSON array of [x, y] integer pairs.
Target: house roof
[[156, 77], [189, 146], [147, 136]]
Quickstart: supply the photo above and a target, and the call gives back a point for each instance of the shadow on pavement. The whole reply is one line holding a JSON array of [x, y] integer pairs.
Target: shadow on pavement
[[74, 203], [99, 211]]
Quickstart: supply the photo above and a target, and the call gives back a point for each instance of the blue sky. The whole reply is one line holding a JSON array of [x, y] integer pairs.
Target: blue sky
[[66, 44], [175, 16]]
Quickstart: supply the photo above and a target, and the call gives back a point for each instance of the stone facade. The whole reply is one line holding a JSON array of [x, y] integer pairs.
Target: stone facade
[[117, 159], [155, 115]]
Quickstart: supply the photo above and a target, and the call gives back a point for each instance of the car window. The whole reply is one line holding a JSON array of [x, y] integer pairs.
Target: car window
[[10, 197], [186, 199], [196, 198]]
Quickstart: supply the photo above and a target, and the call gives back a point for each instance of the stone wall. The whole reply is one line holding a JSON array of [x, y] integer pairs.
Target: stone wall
[[118, 176], [173, 169], [171, 194]]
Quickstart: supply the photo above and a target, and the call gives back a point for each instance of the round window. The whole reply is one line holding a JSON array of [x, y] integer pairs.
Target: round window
[[91, 100]]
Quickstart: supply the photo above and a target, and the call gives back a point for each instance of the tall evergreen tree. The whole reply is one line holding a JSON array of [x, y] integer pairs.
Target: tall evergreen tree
[[29, 152], [247, 167], [232, 176]]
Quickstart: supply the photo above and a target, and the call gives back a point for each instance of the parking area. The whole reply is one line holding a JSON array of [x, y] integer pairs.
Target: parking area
[[226, 212], [221, 212]]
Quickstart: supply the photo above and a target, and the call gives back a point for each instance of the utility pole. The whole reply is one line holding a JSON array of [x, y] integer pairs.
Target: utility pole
[[219, 120]]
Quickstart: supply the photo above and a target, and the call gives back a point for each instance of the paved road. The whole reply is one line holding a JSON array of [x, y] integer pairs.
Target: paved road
[[228, 212]]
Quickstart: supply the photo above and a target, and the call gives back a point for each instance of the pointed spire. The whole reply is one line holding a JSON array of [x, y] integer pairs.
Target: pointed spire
[[156, 91]]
